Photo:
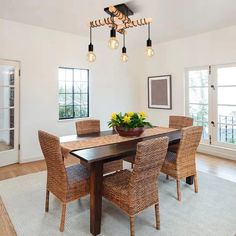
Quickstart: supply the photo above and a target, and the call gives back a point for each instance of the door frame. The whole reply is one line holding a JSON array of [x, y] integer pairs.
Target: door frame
[[13, 156]]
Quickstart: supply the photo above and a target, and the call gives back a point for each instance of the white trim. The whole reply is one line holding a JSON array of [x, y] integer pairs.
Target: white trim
[[217, 151]]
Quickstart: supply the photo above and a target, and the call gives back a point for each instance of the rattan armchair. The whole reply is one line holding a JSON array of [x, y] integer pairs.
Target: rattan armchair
[[178, 122], [90, 126], [133, 191], [66, 183], [182, 164]]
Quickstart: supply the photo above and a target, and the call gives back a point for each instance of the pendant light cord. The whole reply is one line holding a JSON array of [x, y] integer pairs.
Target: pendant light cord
[[148, 30], [90, 35], [124, 39]]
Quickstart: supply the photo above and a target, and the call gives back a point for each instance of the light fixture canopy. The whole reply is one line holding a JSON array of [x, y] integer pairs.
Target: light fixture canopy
[[119, 21]]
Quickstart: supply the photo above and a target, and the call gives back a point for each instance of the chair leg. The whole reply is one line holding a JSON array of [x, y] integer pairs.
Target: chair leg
[[63, 214], [157, 213], [131, 225], [195, 183], [178, 190], [47, 201], [167, 176]]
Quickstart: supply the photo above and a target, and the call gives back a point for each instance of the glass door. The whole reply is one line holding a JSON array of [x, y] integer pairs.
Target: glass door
[[9, 112], [224, 90], [197, 98]]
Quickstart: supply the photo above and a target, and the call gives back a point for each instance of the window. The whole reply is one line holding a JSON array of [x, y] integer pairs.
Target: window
[[210, 93], [73, 93]]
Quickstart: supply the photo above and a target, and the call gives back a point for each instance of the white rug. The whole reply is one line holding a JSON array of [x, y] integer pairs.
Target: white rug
[[211, 212]]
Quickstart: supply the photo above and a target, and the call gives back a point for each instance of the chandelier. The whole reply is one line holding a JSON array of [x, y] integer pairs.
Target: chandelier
[[119, 21]]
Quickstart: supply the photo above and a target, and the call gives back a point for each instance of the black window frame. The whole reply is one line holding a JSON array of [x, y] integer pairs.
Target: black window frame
[[73, 95]]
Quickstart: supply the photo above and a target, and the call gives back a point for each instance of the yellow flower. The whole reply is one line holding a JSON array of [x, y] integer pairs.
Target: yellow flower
[[131, 113], [142, 114], [126, 119], [113, 116]]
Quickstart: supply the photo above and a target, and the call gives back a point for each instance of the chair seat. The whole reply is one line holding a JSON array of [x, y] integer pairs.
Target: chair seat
[[78, 181], [116, 188], [169, 167]]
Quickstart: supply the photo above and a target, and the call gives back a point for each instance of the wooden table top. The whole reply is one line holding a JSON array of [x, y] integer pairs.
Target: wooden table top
[[117, 150]]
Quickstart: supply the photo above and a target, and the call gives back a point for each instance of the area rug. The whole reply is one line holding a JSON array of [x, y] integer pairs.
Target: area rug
[[211, 212]]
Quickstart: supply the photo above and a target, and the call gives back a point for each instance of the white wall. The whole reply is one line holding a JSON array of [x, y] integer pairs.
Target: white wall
[[216, 47], [41, 52]]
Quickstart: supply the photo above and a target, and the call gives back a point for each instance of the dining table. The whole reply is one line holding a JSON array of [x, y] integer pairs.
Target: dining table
[[95, 149]]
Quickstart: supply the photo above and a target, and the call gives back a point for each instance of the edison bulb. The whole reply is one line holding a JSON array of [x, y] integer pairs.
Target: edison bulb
[[124, 57], [149, 52], [113, 43], [91, 57]]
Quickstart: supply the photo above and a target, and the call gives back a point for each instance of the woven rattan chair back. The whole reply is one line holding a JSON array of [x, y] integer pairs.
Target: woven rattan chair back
[[190, 139], [56, 172], [149, 159], [87, 126], [179, 122]]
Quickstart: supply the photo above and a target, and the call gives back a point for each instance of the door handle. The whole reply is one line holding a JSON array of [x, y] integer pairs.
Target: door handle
[[213, 123]]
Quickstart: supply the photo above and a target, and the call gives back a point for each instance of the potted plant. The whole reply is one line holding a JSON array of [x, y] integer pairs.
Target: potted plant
[[130, 124]]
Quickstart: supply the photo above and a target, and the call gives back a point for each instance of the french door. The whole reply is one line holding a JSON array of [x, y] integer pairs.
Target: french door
[[211, 101], [9, 112]]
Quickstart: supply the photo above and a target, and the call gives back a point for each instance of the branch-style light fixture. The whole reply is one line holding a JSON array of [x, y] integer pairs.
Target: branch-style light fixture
[[119, 21]]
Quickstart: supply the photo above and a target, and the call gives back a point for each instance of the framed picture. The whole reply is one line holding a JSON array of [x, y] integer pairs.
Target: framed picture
[[159, 92]]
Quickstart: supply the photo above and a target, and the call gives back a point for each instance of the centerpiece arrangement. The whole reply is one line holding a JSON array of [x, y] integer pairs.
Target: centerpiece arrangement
[[130, 124]]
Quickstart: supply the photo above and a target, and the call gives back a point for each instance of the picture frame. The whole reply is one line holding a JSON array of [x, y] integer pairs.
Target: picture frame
[[159, 92]]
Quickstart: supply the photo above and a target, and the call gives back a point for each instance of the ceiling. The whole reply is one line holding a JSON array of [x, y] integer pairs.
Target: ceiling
[[171, 18]]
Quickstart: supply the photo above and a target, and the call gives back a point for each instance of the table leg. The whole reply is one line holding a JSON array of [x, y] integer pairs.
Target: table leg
[[96, 175], [189, 180]]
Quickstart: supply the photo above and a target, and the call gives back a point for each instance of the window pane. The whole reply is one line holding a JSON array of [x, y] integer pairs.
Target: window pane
[[69, 99], [226, 76], [62, 99], [84, 99], [227, 124], [199, 112], [62, 112], [69, 75], [69, 111], [6, 96], [84, 87], [6, 75], [69, 87], [62, 87], [77, 111], [84, 111], [62, 74], [77, 88], [77, 100], [6, 140], [198, 78], [84, 75], [198, 95], [226, 95], [6, 118]]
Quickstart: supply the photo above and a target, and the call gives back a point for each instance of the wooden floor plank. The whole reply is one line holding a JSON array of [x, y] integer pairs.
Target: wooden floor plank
[[6, 227]]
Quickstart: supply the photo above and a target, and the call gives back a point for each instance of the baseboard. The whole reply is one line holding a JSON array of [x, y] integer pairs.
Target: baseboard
[[31, 159], [218, 151]]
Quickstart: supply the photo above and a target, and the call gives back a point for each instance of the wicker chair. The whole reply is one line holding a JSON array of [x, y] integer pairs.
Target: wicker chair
[[178, 122], [66, 183], [90, 126], [182, 164], [133, 191]]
